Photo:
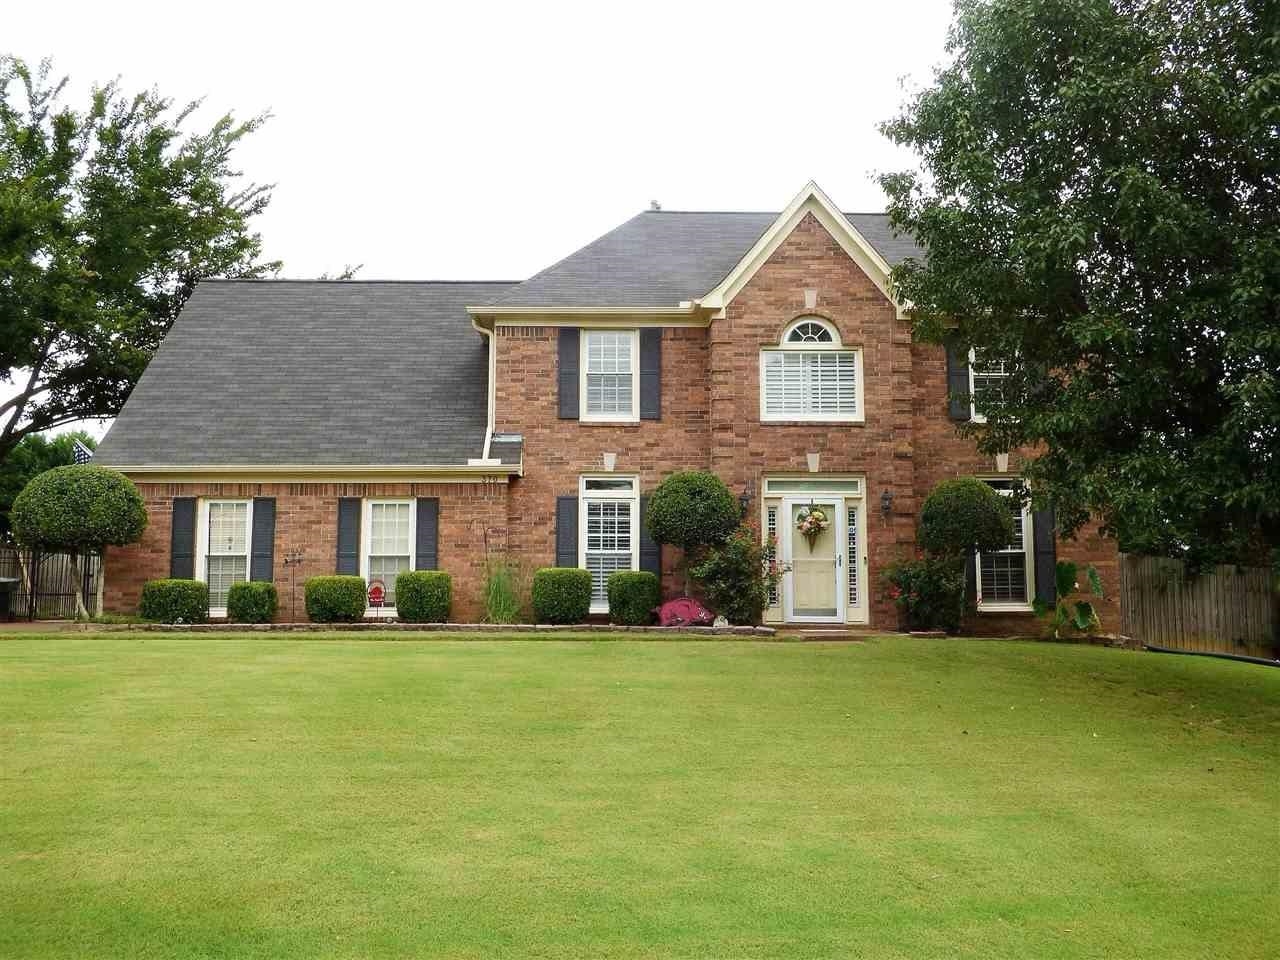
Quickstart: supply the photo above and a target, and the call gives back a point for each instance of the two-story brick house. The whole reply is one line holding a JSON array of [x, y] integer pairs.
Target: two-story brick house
[[367, 427]]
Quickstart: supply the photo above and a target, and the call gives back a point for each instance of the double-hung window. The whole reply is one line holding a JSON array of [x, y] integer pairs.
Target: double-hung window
[[609, 531], [610, 376], [987, 375], [224, 540], [1006, 577], [810, 376], [388, 542]]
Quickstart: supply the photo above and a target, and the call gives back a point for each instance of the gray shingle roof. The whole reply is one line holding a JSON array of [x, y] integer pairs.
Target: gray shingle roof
[[660, 258], [312, 372]]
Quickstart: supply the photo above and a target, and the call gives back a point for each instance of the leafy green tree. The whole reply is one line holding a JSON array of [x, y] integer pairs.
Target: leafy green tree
[[108, 217], [692, 509], [962, 515], [1100, 199], [34, 454], [79, 509]]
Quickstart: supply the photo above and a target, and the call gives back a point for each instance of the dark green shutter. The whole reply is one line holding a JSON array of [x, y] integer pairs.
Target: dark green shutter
[[651, 373], [349, 535], [428, 540], [650, 549], [182, 539], [971, 578], [566, 531], [1046, 555], [957, 383], [567, 371], [262, 549]]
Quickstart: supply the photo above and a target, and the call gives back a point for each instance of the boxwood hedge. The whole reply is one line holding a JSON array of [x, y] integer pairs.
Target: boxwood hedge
[[423, 596], [562, 594], [174, 601], [253, 601], [335, 599], [633, 595]]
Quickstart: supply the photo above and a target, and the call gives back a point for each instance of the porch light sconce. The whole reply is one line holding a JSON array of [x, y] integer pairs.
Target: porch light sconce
[[886, 503], [1002, 463], [744, 498], [610, 461], [813, 461]]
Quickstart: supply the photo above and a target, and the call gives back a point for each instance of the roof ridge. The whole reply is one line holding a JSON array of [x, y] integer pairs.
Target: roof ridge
[[352, 280]]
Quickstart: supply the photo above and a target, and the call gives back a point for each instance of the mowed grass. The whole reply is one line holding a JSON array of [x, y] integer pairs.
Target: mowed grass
[[197, 796]]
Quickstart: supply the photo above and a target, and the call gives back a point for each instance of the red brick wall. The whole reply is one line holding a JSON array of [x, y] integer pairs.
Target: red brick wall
[[307, 520], [557, 452], [941, 452], [744, 448]]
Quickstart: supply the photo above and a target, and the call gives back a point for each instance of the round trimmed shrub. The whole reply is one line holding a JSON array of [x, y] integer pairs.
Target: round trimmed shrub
[[335, 599], [690, 509], [252, 601], [78, 508], [174, 601], [423, 596], [562, 594], [963, 515], [633, 594]]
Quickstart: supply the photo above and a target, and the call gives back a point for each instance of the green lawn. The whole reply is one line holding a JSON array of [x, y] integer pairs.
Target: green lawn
[[204, 796]]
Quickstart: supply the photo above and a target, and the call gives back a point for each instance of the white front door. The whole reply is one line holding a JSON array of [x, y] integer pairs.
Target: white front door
[[816, 559]]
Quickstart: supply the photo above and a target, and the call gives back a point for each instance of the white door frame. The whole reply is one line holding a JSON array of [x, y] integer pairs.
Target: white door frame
[[836, 504]]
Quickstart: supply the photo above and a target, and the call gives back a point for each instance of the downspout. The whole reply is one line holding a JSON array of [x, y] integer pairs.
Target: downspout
[[491, 413]]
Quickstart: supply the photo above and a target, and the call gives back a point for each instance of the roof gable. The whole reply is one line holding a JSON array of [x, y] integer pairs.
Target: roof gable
[[809, 201]]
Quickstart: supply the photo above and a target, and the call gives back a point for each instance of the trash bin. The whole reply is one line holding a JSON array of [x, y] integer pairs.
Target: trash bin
[[8, 589]]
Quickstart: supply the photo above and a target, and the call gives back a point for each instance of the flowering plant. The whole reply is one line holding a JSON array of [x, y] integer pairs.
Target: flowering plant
[[811, 521]]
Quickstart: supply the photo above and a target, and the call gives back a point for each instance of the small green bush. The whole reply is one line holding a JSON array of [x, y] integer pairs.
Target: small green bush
[[335, 599], [928, 592], [174, 601], [963, 515], [736, 577], [424, 596], [633, 594], [503, 590], [252, 601], [562, 594]]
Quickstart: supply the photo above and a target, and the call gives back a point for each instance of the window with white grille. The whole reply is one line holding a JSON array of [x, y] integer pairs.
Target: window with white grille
[[851, 561], [987, 376], [610, 374], [1005, 576], [609, 512], [226, 539], [771, 547], [809, 376], [389, 542]]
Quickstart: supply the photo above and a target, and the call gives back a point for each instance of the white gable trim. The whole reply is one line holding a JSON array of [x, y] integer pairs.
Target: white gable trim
[[810, 200]]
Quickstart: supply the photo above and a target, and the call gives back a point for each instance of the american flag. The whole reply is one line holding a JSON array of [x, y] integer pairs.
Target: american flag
[[80, 453]]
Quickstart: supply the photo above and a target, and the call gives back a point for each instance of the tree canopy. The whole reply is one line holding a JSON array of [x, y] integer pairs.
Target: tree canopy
[[78, 508], [34, 454], [1099, 195], [108, 217]]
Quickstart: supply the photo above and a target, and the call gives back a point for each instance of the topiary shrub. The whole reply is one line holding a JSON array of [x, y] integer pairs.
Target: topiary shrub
[[561, 594], [252, 601], [79, 508], [963, 515], [335, 599], [174, 601], [928, 592], [691, 510], [424, 596], [633, 594], [736, 577]]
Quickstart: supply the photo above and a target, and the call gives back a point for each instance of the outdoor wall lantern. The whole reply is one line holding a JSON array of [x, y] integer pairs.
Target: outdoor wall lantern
[[744, 498], [886, 503]]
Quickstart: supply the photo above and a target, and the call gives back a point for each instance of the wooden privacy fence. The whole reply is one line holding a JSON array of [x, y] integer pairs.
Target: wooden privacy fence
[[1227, 609]]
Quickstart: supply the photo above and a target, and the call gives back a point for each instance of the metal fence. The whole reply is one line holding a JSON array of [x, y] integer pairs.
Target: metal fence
[[46, 582], [1228, 609]]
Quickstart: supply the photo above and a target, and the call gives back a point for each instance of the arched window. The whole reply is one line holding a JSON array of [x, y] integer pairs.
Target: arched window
[[811, 330], [810, 375]]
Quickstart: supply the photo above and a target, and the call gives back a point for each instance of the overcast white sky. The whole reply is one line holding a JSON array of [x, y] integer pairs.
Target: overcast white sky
[[486, 141]]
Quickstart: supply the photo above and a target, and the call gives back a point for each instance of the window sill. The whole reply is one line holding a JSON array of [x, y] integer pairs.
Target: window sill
[[608, 423], [846, 421], [1006, 608]]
